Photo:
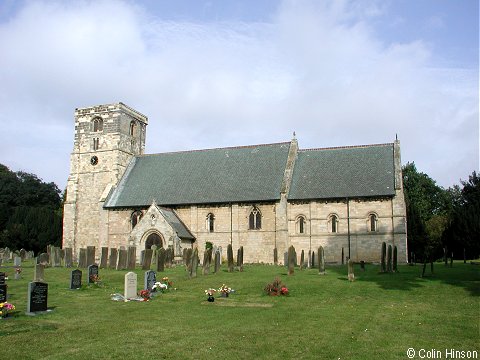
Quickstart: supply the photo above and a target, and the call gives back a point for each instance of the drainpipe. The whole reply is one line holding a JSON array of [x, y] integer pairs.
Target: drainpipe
[[348, 226]]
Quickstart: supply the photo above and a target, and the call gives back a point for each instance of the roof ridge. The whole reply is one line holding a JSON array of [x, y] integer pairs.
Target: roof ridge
[[218, 148], [346, 147]]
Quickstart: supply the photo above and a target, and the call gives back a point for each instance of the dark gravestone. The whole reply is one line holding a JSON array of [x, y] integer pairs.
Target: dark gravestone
[[194, 267], [230, 257], [142, 257], [92, 273], [131, 257], [37, 297], [150, 279], [217, 262], [188, 259], [147, 259], [82, 258], [23, 252], [313, 260], [275, 256], [122, 259], [161, 259], [112, 261], [285, 259], [2, 278], [68, 257], [57, 256], [76, 279], [90, 255], [104, 258], [168, 257], [3, 293]]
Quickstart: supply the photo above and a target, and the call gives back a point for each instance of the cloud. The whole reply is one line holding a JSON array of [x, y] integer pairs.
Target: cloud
[[317, 68]]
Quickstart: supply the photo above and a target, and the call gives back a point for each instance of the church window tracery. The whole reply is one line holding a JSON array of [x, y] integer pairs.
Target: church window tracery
[[255, 219], [135, 218], [97, 124], [333, 223], [300, 224], [210, 222]]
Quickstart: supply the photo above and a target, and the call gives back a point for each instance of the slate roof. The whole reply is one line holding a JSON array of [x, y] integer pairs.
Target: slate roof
[[176, 223], [357, 171], [237, 174]]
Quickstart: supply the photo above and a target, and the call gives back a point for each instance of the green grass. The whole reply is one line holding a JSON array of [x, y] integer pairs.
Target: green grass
[[379, 316]]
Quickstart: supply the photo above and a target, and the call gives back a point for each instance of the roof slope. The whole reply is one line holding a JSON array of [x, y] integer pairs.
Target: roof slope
[[177, 224], [344, 172], [250, 173]]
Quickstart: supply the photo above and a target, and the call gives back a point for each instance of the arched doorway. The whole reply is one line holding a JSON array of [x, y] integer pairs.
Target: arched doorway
[[153, 239]]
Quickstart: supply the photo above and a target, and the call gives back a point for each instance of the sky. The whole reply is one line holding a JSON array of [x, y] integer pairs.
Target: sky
[[225, 73]]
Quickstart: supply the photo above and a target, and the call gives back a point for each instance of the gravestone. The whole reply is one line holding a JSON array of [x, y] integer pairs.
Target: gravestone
[[313, 260], [154, 255], [161, 260], [302, 259], [37, 297], [142, 257], [193, 268], [39, 272], [92, 273], [82, 258], [112, 261], [90, 255], [130, 286], [122, 259], [285, 259], [150, 279], [17, 261], [75, 279], [131, 257], [147, 259], [68, 257], [230, 257], [55, 257], [217, 262], [104, 258], [168, 257], [275, 256], [23, 253], [3, 293], [188, 259], [2, 278], [42, 259]]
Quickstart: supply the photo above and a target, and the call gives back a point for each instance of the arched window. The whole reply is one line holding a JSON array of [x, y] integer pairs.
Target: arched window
[[372, 222], [135, 218], [301, 224], [334, 223], [97, 124], [210, 222], [132, 128], [255, 219]]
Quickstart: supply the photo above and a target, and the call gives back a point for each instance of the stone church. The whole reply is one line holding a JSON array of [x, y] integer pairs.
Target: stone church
[[347, 199]]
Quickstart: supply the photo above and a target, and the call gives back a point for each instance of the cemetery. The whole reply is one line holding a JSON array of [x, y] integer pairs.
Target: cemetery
[[111, 307]]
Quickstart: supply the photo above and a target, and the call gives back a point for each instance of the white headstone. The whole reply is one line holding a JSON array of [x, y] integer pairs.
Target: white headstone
[[130, 285], [17, 261]]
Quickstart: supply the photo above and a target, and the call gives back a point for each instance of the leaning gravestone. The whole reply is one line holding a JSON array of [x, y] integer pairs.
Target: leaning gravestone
[[150, 279], [131, 257], [82, 258], [130, 286], [68, 257], [90, 255], [147, 259], [37, 297], [92, 273], [122, 259], [112, 261], [104, 258], [39, 272], [76, 279]]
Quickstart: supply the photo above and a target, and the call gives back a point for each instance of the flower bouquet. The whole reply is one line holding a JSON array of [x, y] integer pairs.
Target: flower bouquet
[[210, 292], [276, 288], [5, 308], [224, 290], [145, 294]]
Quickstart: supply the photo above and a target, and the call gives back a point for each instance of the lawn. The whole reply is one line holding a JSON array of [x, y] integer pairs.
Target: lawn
[[379, 316]]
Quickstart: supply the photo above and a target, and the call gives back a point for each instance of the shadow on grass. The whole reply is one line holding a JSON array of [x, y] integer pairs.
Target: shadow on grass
[[461, 275]]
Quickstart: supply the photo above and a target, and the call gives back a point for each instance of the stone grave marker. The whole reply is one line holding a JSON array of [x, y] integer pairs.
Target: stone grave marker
[[17, 261], [130, 285], [142, 257], [112, 261], [90, 255], [55, 257], [82, 258], [23, 253], [147, 259], [2, 278], [39, 272], [154, 255], [43, 259], [188, 259], [217, 262], [104, 258], [131, 257], [92, 273], [68, 257], [3, 293], [161, 260], [150, 279], [285, 259], [76, 279], [122, 259], [37, 297]]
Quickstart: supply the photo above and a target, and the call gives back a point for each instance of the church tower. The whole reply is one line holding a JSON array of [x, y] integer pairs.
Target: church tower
[[107, 137]]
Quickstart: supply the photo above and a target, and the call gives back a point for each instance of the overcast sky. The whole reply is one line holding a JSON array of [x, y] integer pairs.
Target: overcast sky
[[225, 73]]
